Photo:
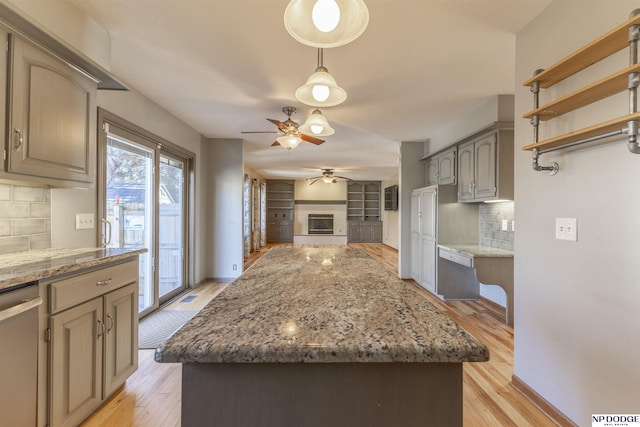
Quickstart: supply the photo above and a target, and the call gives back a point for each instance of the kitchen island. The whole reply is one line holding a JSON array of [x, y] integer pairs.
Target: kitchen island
[[321, 337]]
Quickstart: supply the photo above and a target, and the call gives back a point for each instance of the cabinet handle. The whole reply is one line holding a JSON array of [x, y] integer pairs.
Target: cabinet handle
[[101, 330], [19, 140], [111, 322], [103, 282]]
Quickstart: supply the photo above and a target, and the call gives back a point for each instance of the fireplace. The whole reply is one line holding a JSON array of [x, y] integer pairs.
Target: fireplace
[[320, 223]]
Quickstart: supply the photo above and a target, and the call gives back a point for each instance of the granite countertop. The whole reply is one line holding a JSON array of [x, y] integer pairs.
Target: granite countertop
[[479, 250], [23, 267], [320, 305]]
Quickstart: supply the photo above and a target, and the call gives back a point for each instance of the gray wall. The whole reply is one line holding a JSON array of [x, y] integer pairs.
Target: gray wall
[[411, 176], [577, 304]]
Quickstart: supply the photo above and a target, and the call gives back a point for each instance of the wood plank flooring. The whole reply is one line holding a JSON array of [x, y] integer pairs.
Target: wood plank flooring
[[152, 396]]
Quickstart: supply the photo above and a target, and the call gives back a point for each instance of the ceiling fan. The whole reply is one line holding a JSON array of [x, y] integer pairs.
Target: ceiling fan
[[328, 177], [289, 128]]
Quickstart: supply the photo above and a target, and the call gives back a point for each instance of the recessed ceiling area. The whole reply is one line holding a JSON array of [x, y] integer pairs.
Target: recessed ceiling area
[[224, 67]]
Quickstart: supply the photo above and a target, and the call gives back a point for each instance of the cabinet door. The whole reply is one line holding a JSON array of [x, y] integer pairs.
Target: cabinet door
[[76, 363], [376, 232], [485, 167], [416, 246], [465, 172], [431, 172], [286, 231], [447, 168], [52, 117], [428, 203], [121, 337], [353, 231]]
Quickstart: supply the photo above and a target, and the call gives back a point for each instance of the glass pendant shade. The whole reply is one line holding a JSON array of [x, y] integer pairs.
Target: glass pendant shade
[[289, 141], [327, 180], [326, 23], [324, 87], [317, 125]]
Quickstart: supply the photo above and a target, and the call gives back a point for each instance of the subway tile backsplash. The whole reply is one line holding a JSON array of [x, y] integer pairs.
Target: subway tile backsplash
[[25, 218], [491, 216]]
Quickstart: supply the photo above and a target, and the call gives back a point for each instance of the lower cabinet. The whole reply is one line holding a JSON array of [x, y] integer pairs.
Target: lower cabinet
[[93, 345], [280, 231], [364, 231]]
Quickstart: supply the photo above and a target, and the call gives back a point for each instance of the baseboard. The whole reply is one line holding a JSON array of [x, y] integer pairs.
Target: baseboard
[[552, 412]]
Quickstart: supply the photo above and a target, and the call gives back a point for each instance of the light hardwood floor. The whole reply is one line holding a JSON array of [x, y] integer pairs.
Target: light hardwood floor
[[152, 396]]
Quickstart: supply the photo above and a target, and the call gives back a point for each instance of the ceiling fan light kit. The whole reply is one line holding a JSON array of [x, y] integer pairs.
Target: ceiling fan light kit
[[289, 141], [326, 23], [317, 125]]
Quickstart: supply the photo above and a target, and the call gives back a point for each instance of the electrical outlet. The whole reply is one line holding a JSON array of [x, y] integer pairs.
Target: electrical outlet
[[235, 267], [567, 229], [513, 225], [84, 221], [505, 225]]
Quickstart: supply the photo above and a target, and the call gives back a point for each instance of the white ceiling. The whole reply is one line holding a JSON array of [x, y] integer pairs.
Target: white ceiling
[[223, 66]]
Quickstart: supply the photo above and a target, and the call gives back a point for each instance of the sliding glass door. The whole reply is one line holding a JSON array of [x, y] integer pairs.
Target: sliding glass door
[[171, 230], [129, 205], [144, 200]]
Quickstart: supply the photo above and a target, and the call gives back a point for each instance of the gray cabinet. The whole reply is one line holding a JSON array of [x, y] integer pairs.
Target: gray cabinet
[[92, 339], [280, 204], [76, 363], [364, 231], [363, 212], [51, 118], [485, 168], [441, 168]]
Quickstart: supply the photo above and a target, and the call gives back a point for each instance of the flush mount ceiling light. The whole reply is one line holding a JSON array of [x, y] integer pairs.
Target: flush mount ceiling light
[[321, 89], [326, 23], [317, 125]]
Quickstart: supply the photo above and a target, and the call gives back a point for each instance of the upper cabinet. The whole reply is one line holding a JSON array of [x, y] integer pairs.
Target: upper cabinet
[[441, 168], [485, 168], [51, 117]]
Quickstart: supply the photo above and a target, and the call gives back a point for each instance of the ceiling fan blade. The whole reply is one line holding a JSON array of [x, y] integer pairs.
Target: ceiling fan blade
[[260, 131], [342, 177], [313, 180], [311, 139], [280, 125], [275, 143]]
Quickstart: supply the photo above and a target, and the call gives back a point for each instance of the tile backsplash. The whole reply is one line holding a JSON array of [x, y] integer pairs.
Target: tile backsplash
[[491, 216], [25, 218]]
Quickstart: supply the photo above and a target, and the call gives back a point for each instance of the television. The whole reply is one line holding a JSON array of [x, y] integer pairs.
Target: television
[[391, 198]]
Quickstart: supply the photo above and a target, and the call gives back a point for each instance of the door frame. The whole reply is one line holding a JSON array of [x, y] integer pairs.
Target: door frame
[[130, 131]]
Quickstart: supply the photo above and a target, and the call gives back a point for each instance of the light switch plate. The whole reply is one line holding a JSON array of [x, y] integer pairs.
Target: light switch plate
[[84, 221], [567, 229]]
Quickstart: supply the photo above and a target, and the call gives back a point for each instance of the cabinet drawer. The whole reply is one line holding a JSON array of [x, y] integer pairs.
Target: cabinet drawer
[[78, 289], [457, 257]]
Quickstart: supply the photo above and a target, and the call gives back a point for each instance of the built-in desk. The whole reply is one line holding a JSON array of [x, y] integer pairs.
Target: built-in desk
[[461, 269]]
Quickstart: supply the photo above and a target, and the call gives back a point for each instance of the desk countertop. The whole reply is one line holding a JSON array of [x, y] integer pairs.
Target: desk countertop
[[479, 250], [320, 305]]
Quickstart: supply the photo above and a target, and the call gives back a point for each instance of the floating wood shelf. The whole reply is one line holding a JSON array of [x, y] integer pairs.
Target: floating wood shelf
[[624, 80], [585, 133], [610, 43], [601, 89]]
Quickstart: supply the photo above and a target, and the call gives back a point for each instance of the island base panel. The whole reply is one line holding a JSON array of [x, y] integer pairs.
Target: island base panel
[[322, 394]]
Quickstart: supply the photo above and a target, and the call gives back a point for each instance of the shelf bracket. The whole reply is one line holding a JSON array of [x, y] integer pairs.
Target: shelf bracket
[[552, 168]]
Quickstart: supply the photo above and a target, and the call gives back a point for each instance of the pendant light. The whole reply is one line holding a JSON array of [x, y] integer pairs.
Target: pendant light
[[326, 23], [321, 89], [317, 125]]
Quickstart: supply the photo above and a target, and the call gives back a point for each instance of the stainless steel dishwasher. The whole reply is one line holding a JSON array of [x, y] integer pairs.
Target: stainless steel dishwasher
[[19, 354]]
